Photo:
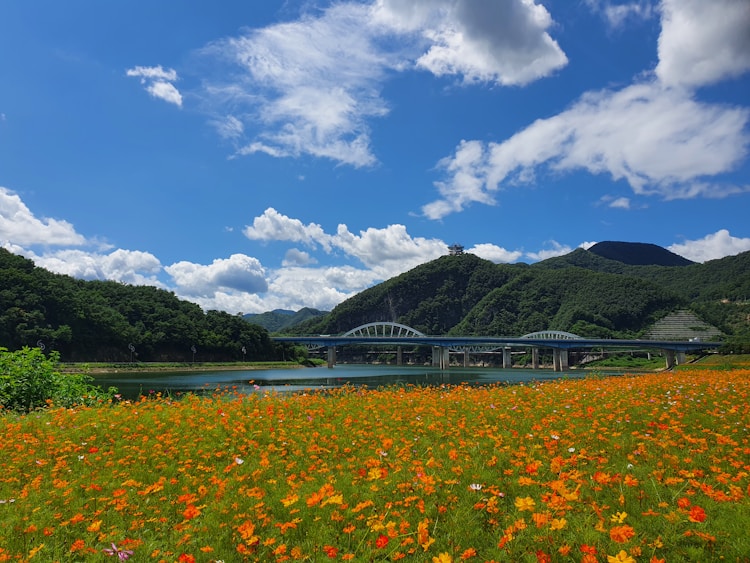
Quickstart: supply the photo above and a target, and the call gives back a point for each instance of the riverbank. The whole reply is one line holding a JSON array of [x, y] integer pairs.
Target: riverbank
[[157, 367]]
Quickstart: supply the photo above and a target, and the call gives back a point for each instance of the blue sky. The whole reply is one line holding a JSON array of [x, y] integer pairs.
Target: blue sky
[[251, 156]]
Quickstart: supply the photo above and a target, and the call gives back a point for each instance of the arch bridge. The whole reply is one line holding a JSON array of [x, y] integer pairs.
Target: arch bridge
[[381, 333]]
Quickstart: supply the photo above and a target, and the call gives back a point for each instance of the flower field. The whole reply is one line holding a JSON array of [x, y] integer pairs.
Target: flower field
[[651, 467]]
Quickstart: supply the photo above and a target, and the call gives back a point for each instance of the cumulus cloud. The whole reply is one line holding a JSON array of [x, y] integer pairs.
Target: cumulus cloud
[[387, 251], [126, 266], [18, 225], [494, 253], [711, 247], [158, 82], [313, 85], [506, 43], [272, 225], [297, 257], [237, 273], [703, 42], [661, 141], [556, 250], [656, 136]]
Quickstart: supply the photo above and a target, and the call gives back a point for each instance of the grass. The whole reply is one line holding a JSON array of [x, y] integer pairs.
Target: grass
[[653, 467]]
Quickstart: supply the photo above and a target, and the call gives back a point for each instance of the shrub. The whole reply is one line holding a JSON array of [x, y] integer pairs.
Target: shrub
[[29, 380]]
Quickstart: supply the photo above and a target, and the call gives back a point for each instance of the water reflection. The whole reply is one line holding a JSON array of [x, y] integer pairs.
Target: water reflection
[[132, 385]]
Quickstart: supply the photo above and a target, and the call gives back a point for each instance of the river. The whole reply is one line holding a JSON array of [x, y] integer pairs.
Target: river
[[132, 385]]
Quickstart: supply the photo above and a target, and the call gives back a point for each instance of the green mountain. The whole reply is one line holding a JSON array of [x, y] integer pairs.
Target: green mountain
[[638, 254], [100, 320], [281, 319], [582, 292]]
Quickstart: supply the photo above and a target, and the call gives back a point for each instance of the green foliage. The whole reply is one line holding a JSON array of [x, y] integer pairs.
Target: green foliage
[[581, 292], [90, 321], [29, 380]]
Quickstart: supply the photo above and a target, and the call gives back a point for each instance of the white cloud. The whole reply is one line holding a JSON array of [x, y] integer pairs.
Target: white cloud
[[158, 82], [703, 41], [711, 247], [312, 86], [238, 273], [272, 225], [389, 251], [502, 42], [296, 257], [657, 137], [620, 203], [495, 253], [616, 15], [19, 226], [307, 87], [661, 141], [556, 250], [126, 266]]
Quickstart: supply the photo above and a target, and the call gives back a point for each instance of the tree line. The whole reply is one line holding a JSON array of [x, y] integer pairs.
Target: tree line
[[87, 321]]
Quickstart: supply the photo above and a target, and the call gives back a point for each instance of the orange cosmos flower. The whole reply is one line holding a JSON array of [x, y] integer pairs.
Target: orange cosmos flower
[[191, 511], [621, 534], [382, 541], [697, 514], [331, 552]]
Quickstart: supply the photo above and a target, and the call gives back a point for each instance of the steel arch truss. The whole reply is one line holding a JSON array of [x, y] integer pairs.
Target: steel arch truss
[[552, 335], [384, 330]]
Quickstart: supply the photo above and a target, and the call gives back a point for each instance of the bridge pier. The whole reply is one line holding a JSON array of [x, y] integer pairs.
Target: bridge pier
[[507, 360], [331, 356], [466, 358], [399, 356], [674, 358], [535, 358], [559, 359], [440, 357]]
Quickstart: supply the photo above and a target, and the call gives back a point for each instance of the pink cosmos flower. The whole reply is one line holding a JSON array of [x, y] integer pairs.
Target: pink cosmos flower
[[122, 554]]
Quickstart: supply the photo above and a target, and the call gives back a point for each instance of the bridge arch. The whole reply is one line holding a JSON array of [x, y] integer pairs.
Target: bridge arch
[[552, 335], [384, 329]]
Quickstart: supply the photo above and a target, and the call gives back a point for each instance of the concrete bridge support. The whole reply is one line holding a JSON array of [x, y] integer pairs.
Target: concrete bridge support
[[674, 358], [535, 358], [559, 359], [399, 356], [440, 357], [507, 360], [466, 358], [331, 356]]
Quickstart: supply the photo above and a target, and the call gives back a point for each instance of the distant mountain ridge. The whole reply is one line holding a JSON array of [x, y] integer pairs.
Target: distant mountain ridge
[[280, 319], [638, 254]]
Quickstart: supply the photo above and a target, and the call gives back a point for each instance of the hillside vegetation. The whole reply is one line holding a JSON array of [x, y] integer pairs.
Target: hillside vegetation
[[582, 292], [98, 320]]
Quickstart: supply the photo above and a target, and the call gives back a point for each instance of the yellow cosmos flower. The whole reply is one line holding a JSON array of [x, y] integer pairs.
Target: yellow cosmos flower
[[525, 503]]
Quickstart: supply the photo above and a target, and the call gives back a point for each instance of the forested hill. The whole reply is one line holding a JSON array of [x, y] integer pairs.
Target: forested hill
[[98, 320], [581, 292]]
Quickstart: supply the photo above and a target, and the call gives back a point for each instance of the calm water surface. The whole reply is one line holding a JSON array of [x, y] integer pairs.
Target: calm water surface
[[132, 385]]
